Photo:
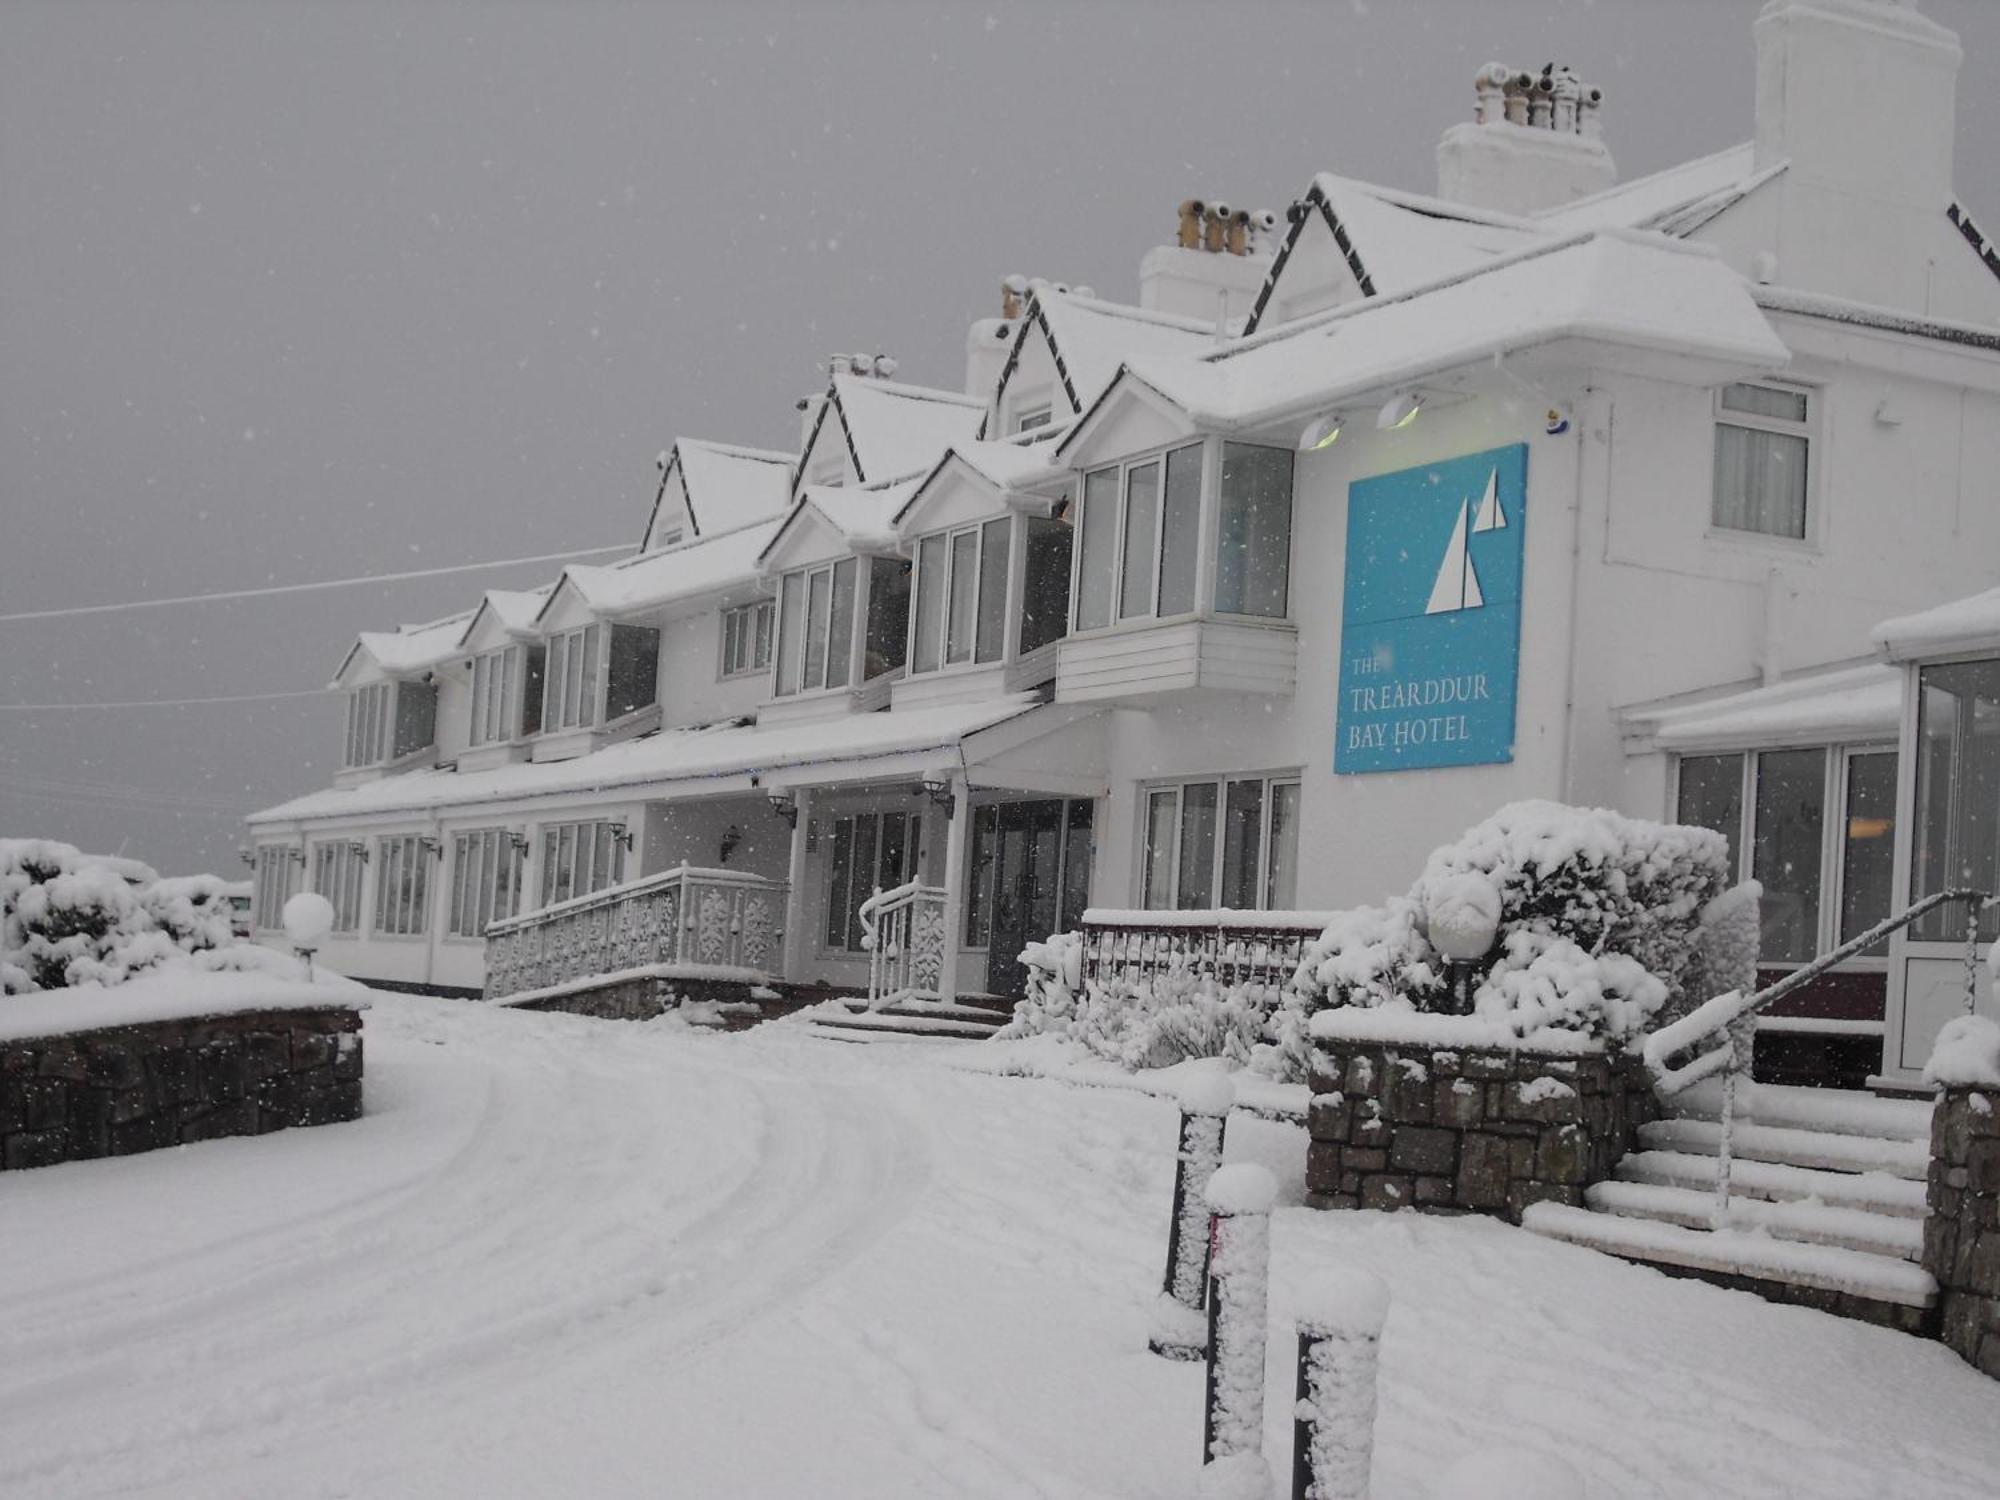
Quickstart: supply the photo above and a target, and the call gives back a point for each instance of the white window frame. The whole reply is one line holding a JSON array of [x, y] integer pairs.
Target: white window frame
[[402, 909], [571, 848], [480, 857], [276, 884], [496, 715], [749, 639], [1808, 430], [977, 530], [857, 607], [588, 677], [371, 725], [1029, 419], [338, 869], [1269, 781]]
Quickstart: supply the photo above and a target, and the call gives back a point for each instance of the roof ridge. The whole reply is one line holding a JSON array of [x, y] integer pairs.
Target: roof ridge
[[1129, 311], [912, 392], [1603, 195], [738, 450], [691, 544], [1435, 207]]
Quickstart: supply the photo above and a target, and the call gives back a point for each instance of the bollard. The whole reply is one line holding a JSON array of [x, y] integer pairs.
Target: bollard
[[1509, 1474], [1333, 1438], [1240, 1198], [1179, 1328]]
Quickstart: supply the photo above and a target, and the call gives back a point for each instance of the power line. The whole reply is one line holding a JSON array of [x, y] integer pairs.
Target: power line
[[72, 611], [22, 708]]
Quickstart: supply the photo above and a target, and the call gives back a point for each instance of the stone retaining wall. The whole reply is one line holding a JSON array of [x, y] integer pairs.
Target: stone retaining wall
[[644, 998], [1962, 1235], [127, 1089], [1467, 1130]]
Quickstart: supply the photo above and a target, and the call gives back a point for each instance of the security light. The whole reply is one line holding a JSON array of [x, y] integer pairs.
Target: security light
[[784, 804], [1399, 411], [1321, 432]]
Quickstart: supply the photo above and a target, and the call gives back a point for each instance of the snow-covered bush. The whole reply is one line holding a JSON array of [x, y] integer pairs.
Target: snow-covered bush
[[1150, 1021], [1543, 982], [67, 919]]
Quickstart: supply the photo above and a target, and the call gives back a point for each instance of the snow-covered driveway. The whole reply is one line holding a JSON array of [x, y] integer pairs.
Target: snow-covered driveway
[[562, 1257]]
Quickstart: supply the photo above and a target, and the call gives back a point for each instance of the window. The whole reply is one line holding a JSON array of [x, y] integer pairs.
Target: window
[[632, 676], [1096, 564], [1957, 837], [1795, 819], [275, 884], [816, 628], [747, 631], [336, 875], [1045, 586], [368, 725], [1253, 544], [496, 710], [569, 687], [402, 885], [869, 852], [961, 597], [485, 880], [1762, 453], [1028, 421], [1228, 842], [579, 858], [888, 616]]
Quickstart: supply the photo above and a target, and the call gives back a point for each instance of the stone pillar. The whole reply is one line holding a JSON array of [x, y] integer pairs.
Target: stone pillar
[[1962, 1235], [796, 946], [954, 887]]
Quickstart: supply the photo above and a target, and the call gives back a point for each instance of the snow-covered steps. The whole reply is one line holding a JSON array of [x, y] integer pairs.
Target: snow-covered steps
[[1877, 1192], [1835, 1111], [1818, 1149], [1842, 1273], [854, 1022], [1804, 1222]]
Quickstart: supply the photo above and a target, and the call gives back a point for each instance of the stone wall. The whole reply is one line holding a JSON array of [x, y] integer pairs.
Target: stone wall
[[127, 1089], [1962, 1235], [1467, 1130], [644, 998]]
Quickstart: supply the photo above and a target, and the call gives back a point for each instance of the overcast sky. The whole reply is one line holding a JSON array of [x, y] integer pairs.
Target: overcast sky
[[299, 291]]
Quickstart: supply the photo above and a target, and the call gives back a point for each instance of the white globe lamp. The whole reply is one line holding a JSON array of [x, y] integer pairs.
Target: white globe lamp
[[308, 919]]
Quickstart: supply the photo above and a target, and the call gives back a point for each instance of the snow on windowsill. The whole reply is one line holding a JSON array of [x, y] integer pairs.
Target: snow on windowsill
[[174, 994]]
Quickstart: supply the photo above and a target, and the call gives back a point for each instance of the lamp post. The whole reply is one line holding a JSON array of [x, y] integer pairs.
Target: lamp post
[[308, 918], [1462, 913]]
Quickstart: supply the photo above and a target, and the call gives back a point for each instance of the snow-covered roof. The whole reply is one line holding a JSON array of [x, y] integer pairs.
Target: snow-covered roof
[[729, 486], [1009, 467], [410, 648], [678, 759], [1091, 338], [706, 565], [864, 515], [1860, 702], [1680, 306], [1677, 200], [1402, 240], [516, 609], [896, 429], [1963, 625]]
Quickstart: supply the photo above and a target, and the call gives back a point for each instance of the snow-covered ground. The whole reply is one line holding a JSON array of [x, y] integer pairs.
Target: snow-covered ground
[[562, 1257]]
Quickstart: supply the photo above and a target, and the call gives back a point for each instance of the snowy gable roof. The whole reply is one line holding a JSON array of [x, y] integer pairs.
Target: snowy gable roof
[[1962, 625], [1088, 339], [1676, 200], [894, 430], [1862, 702], [862, 518], [729, 486], [1673, 310], [410, 648], [1021, 473], [657, 580]]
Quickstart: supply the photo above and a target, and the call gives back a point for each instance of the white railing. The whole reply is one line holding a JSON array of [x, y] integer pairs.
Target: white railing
[[699, 919], [1730, 1021], [903, 931], [1236, 947]]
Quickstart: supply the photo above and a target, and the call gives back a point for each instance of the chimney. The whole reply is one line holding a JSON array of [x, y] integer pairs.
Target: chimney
[[1858, 97], [1215, 265], [1535, 141]]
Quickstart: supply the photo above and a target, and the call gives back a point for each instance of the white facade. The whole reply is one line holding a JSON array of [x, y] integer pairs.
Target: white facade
[[1757, 400]]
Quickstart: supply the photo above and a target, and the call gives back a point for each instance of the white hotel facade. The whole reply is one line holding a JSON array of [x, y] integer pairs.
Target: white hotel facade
[[1625, 476]]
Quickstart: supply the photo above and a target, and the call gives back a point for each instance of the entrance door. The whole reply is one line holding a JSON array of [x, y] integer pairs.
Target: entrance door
[[1031, 861]]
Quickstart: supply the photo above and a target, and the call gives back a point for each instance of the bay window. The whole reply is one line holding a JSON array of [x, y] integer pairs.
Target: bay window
[[746, 638], [402, 885], [1142, 523], [485, 880], [1222, 842], [816, 627], [336, 875], [1957, 837], [582, 857], [569, 684], [961, 587], [1762, 454], [389, 720]]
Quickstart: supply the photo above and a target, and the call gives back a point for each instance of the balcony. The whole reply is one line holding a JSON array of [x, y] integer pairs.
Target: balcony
[[681, 923]]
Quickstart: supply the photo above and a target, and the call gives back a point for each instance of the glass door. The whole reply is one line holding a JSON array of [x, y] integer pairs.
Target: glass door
[[1030, 877]]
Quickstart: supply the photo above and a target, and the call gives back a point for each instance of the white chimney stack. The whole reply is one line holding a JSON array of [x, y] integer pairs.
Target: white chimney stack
[[1534, 142]]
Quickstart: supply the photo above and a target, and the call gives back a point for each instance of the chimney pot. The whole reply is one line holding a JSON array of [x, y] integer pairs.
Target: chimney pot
[[1188, 237]]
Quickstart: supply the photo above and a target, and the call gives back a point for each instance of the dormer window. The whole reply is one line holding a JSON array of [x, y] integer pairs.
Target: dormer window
[[389, 720], [596, 674], [747, 633], [569, 687], [816, 628], [961, 585], [1144, 525], [1028, 421], [506, 694]]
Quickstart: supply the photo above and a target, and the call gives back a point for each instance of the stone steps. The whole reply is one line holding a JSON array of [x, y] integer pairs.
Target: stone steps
[[1819, 1149], [1833, 1111], [1877, 1192], [852, 1021], [1804, 1222]]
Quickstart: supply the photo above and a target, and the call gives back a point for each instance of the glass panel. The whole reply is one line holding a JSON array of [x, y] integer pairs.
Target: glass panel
[[1253, 549], [416, 717], [1162, 818], [760, 656], [1242, 840], [888, 616], [588, 709], [550, 850], [1760, 481], [633, 681], [732, 641], [1958, 790], [1142, 524], [962, 599], [1045, 589], [791, 635], [1868, 845], [979, 878], [1765, 401], [840, 626], [993, 545], [1789, 830], [1711, 797], [926, 648], [892, 864], [818, 590], [1180, 531], [480, 687], [573, 675], [1096, 542], [565, 863], [531, 692], [1078, 849], [839, 886], [600, 855], [1196, 891], [1281, 887]]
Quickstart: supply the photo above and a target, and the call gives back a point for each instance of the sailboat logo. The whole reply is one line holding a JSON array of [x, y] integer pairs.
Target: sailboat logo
[[1457, 585]]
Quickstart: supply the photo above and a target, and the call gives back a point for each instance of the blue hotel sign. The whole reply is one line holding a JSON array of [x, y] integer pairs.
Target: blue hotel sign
[[1430, 631]]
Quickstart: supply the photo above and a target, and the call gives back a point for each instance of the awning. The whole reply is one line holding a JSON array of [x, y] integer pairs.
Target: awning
[[1848, 704]]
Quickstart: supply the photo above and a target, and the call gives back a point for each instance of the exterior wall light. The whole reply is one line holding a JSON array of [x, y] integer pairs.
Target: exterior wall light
[[1321, 432], [938, 790], [784, 804], [622, 835], [1399, 411]]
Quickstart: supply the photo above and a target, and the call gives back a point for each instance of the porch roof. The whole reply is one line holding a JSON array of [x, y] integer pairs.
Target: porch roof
[[1861, 702], [1963, 625], [733, 756]]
